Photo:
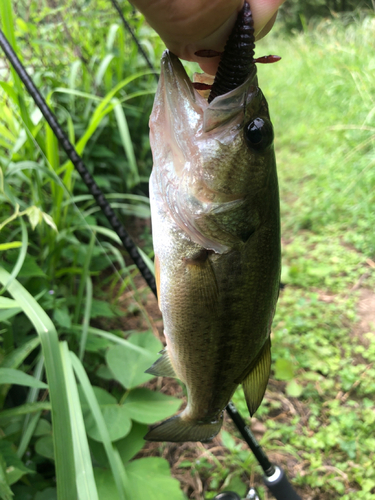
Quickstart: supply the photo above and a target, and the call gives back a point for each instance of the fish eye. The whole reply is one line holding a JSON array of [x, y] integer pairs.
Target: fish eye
[[259, 134]]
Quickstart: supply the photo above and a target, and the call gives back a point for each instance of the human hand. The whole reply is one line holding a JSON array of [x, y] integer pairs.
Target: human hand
[[187, 26]]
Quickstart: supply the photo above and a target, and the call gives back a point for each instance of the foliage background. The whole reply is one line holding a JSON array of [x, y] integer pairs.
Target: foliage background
[[70, 295]]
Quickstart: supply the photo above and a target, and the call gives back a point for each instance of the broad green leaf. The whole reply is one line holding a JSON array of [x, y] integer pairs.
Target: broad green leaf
[[235, 484], [106, 485], [102, 396], [11, 376], [148, 407], [29, 268], [119, 357], [228, 440], [130, 445], [101, 309], [115, 415], [43, 427], [294, 389], [283, 369], [117, 419], [44, 446], [103, 371], [47, 494], [150, 479], [147, 340], [15, 467], [95, 344], [62, 317]]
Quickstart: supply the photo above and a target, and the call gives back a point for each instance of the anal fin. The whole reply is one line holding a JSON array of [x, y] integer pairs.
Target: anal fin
[[255, 383], [162, 366]]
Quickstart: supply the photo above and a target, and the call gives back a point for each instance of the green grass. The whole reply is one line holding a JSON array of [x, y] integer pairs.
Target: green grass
[[322, 101]]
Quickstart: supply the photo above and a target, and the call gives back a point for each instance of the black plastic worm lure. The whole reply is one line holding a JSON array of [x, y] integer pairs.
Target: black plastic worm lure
[[237, 59], [238, 56]]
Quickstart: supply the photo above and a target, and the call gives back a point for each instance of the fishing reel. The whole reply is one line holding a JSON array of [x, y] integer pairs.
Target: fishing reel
[[230, 495], [277, 483]]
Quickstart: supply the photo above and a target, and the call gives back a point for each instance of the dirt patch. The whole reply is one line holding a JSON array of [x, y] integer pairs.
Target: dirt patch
[[366, 313]]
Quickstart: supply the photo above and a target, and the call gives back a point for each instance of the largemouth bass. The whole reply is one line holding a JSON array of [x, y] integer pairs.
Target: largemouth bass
[[216, 231]]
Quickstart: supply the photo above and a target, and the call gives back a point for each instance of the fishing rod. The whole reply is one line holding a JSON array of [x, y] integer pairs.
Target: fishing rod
[[274, 478], [135, 39]]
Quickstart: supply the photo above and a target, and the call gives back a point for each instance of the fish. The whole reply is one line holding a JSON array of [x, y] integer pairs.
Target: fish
[[216, 233]]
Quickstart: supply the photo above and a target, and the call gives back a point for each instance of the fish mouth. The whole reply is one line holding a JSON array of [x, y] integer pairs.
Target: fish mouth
[[214, 102], [188, 106]]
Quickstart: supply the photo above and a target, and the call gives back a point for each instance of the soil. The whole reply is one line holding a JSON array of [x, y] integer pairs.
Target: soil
[[366, 314]]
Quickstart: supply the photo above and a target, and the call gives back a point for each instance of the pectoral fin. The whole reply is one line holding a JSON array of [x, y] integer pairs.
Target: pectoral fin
[[202, 278], [162, 366], [255, 383], [157, 277]]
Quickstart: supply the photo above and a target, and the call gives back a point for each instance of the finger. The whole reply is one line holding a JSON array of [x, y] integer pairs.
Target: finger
[[210, 66], [267, 28], [263, 11]]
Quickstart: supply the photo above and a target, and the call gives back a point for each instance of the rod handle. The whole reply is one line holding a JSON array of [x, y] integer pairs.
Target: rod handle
[[279, 486]]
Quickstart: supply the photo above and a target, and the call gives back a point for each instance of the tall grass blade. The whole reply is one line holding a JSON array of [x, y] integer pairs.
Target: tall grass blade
[[20, 259], [103, 68], [105, 107], [30, 422], [113, 236], [83, 281], [116, 340], [62, 436], [127, 144], [8, 415], [86, 318], [16, 357], [117, 467], [28, 433], [8, 26], [84, 472], [147, 260]]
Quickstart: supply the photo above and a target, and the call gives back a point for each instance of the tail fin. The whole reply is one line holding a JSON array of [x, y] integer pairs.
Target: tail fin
[[178, 430]]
